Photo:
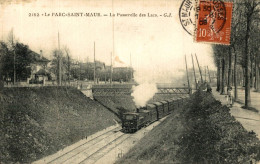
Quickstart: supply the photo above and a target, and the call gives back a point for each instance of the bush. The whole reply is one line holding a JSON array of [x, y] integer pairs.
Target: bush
[[213, 135], [202, 131]]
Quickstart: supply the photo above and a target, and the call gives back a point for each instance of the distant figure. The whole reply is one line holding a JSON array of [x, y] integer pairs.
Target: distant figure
[[230, 96], [203, 86], [209, 89], [198, 84]]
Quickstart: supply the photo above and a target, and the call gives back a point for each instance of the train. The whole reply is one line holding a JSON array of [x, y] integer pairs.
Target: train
[[144, 116]]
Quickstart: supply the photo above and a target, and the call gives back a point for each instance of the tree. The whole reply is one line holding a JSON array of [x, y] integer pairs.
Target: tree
[[68, 62], [3, 52], [57, 66], [220, 55], [244, 45], [251, 11], [23, 59], [236, 42]]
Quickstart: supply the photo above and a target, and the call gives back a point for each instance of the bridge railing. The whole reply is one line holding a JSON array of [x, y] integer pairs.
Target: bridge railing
[[176, 90], [119, 90]]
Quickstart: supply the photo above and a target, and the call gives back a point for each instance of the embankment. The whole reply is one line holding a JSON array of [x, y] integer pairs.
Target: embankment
[[35, 122], [118, 104], [203, 131]]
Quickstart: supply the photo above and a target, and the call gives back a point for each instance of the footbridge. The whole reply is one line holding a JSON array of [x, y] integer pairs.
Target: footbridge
[[126, 89]]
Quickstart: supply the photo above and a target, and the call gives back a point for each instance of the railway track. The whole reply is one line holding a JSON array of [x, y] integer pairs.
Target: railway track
[[84, 149], [98, 148], [105, 149], [88, 151], [72, 151]]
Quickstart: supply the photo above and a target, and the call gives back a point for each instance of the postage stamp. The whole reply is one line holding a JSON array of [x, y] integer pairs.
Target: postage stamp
[[213, 24]]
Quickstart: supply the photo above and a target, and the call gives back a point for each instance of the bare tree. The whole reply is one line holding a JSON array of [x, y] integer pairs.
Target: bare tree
[[68, 62], [57, 66], [251, 10]]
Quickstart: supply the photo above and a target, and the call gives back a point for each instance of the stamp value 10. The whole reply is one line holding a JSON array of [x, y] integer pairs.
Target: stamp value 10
[[213, 24]]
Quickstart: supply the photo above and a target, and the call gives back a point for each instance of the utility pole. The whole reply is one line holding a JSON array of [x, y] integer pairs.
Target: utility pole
[[209, 74], [59, 56], [1, 83], [2, 31], [68, 67], [113, 37], [194, 72], [79, 71], [14, 56], [199, 69], [94, 65], [187, 74], [111, 69], [205, 73], [131, 69]]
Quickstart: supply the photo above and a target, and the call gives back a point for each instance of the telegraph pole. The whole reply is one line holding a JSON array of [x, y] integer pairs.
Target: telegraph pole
[[199, 69], [187, 73], [59, 56], [1, 83], [131, 69], [2, 31], [194, 72], [14, 56], [209, 74], [111, 69], [113, 37], [94, 65], [205, 73]]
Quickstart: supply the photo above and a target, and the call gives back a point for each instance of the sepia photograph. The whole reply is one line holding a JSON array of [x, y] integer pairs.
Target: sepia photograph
[[129, 81]]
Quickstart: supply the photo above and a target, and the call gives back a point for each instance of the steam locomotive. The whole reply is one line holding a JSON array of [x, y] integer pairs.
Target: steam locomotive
[[133, 121]]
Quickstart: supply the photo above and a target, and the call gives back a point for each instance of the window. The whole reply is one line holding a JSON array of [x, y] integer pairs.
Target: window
[[129, 117]]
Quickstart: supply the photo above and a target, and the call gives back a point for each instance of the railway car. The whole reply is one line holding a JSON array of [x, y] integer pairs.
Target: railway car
[[165, 108], [175, 103], [170, 105], [145, 115], [179, 101], [133, 121], [153, 112], [159, 109]]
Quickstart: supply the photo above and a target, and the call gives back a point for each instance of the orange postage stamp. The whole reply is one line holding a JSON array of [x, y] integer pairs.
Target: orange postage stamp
[[214, 22]]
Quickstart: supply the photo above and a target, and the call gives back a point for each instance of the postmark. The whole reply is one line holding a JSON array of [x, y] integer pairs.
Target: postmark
[[213, 24], [187, 12]]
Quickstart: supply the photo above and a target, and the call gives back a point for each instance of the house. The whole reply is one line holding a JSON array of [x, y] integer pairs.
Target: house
[[38, 68], [99, 65]]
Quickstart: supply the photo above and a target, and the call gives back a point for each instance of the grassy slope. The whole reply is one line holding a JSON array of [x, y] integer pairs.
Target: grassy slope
[[202, 131], [39, 121]]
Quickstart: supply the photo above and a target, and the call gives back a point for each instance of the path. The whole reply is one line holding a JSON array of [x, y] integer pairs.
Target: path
[[249, 119]]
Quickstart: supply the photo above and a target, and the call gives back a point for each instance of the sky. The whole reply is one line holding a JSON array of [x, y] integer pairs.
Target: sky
[[157, 44]]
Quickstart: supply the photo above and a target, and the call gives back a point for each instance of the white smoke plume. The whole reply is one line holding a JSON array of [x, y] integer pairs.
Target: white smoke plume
[[147, 79], [143, 93]]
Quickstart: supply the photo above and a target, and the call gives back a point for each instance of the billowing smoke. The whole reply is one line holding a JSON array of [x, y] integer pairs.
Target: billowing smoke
[[148, 78], [143, 93], [146, 87]]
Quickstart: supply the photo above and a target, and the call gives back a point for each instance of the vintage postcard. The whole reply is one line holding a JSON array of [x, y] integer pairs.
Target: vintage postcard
[[129, 81]]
